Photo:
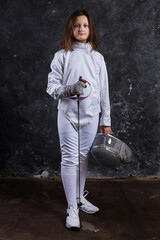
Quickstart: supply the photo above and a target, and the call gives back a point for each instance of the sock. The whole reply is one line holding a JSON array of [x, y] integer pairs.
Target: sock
[[68, 175], [83, 175]]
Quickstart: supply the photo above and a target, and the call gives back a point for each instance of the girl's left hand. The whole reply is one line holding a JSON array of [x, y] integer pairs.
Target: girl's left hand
[[105, 129]]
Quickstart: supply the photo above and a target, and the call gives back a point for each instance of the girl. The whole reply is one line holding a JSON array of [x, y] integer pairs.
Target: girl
[[78, 57]]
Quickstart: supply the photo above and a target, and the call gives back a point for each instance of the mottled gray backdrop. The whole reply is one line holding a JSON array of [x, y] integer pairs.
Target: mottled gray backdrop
[[129, 35]]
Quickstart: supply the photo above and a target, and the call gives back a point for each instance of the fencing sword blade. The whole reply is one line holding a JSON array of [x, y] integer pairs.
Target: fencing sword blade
[[78, 103]]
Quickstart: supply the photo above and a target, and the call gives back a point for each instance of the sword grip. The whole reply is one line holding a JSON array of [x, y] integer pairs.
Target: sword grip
[[83, 80]]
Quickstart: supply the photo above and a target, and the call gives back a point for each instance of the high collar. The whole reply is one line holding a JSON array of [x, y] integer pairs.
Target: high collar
[[82, 47]]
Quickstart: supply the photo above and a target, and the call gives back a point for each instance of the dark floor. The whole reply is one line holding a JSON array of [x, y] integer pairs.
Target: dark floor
[[33, 209]]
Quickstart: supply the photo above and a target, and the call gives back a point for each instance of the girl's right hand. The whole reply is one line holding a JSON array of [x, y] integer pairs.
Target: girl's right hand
[[77, 88]]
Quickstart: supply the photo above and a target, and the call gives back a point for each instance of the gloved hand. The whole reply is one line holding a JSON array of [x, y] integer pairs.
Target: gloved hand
[[77, 88]]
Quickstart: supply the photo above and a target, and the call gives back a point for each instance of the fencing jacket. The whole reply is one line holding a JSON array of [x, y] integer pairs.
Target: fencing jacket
[[66, 69]]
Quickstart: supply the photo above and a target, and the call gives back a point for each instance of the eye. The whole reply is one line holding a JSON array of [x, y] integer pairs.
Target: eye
[[85, 25], [77, 25]]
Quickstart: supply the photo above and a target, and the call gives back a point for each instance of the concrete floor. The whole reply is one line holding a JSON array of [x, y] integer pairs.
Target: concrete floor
[[33, 209]]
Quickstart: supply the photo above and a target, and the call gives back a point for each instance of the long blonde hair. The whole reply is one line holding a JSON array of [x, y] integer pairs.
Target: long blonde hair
[[68, 39]]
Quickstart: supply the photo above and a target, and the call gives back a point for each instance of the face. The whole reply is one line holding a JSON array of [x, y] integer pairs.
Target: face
[[81, 29]]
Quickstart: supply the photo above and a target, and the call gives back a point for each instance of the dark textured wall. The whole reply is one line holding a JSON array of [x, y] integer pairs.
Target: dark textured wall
[[129, 34]]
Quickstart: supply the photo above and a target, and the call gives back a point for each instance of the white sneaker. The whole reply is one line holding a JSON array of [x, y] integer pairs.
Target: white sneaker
[[86, 206], [72, 220]]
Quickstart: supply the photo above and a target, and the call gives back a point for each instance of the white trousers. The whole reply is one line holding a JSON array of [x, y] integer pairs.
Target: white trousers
[[68, 136]]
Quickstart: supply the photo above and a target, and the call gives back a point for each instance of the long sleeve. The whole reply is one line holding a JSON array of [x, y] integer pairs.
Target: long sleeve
[[55, 77], [105, 119]]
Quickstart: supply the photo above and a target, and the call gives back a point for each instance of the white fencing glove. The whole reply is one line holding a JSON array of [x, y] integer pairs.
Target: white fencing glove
[[77, 88], [70, 90]]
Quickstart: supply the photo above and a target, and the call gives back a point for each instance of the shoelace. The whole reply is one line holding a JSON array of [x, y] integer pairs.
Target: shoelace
[[85, 193], [83, 199], [72, 211]]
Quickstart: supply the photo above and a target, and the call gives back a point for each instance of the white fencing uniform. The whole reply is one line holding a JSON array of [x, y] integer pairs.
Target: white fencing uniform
[[66, 69], [69, 149]]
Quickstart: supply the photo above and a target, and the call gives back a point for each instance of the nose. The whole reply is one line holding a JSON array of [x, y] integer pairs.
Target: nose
[[81, 28]]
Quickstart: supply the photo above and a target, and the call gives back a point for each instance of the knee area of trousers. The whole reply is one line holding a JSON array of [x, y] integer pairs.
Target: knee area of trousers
[[69, 160], [84, 154], [68, 163]]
